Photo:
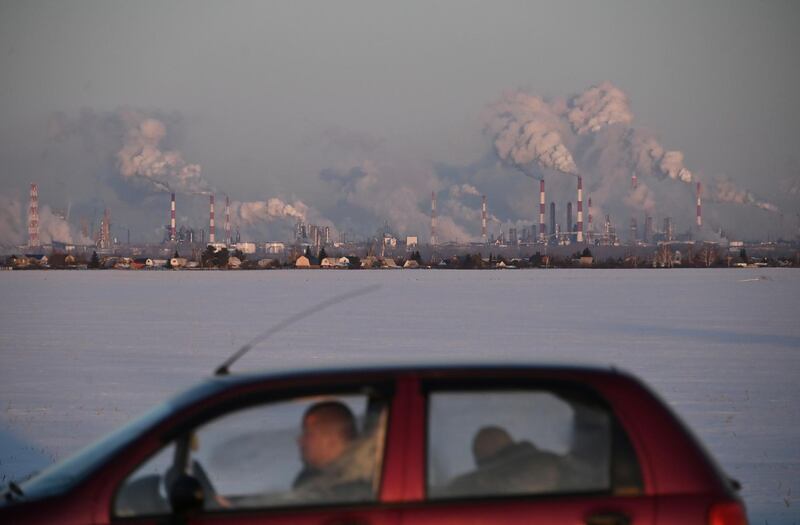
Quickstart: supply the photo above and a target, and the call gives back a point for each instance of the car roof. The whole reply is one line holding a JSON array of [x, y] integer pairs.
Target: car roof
[[383, 368]]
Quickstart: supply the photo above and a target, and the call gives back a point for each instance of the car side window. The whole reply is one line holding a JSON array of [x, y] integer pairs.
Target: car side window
[[524, 442], [308, 450]]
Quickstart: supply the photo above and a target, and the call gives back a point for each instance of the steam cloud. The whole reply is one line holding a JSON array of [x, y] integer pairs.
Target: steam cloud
[[140, 156], [526, 129], [598, 107], [724, 190], [271, 209], [52, 227]]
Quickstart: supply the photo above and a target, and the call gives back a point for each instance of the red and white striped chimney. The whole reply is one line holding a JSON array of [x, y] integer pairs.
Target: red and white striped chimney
[[699, 211], [579, 237], [484, 233], [33, 216], [172, 235], [212, 230], [542, 233], [634, 182], [227, 220]]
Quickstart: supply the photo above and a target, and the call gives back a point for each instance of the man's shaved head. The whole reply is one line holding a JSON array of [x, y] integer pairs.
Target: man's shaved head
[[328, 429]]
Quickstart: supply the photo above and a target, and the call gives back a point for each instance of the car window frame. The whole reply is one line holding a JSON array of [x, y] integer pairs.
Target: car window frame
[[230, 403], [516, 383]]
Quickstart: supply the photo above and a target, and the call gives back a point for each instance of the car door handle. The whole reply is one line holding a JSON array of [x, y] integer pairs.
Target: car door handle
[[608, 518]]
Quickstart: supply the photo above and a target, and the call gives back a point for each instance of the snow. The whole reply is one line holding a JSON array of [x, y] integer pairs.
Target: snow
[[83, 352]]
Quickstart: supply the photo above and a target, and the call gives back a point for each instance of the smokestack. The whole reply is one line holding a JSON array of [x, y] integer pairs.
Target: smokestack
[[542, 235], [579, 238], [590, 231], [648, 228], [699, 212], [212, 231], [433, 218], [569, 218], [227, 220], [33, 216], [105, 227], [172, 220], [484, 236], [634, 185], [552, 218]]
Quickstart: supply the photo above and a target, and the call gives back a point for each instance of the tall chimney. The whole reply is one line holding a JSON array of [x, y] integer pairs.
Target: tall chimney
[[212, 231], [484, 235], [433, 218], [699, 212], [172, 236], [569, 218], [552, 218], [33, 216], [542, 234], [590, 230], [579, 238], [634, 185], [105, 229], [227, 220]]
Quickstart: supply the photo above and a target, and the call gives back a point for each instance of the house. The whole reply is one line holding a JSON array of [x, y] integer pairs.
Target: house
[[328, 262], [389, 263], [61, 260], [370, 261], [302, 262], [411, 264], [343, 262], [266, 263], [37, 260], [19, 261], [234, 263], [178, 262]]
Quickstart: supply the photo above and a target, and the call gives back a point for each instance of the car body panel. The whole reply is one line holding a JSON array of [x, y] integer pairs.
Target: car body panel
[[680, 481]]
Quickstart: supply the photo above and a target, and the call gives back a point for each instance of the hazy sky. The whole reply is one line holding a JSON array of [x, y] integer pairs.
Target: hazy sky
[[267, 95]]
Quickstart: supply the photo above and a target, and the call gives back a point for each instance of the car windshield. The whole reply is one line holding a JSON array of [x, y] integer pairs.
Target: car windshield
[[65, 474]]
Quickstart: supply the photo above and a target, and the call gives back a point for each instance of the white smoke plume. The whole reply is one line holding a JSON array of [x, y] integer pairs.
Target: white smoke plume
[[649, 158], [642, 198], [457, 191], [724, 190], [141, 156], [11, 223], [266, 211], [598, 107], [525, 129], [397, 192], [52, 227]]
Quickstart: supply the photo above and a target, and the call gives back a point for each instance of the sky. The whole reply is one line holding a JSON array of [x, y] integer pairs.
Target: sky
[[349, 113]]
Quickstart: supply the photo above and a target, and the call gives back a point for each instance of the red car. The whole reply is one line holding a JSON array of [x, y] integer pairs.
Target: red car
[[393, 445]]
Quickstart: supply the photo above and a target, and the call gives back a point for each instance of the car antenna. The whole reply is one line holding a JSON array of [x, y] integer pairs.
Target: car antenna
[[224, 368]]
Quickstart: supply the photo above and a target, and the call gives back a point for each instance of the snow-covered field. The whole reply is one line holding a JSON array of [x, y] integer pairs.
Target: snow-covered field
[[83, 352]]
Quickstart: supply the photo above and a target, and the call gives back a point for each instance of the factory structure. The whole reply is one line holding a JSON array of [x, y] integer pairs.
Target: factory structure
[[560, 228]]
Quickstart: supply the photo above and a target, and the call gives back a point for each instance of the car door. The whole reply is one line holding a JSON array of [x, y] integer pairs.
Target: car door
[[513, 452], [310, 458]]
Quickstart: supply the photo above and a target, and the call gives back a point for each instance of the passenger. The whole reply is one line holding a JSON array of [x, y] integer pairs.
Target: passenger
[[326, 444], [507, 467]]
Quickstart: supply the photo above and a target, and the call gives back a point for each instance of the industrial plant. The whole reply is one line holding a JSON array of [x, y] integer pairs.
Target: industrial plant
[[552, 241]]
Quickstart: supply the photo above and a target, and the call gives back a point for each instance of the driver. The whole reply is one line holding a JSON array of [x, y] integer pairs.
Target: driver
[[327, 434]]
